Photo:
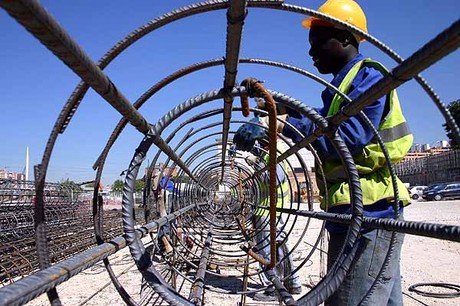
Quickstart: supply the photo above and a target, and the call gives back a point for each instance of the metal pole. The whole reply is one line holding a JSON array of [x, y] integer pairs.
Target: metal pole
[[236, 14]]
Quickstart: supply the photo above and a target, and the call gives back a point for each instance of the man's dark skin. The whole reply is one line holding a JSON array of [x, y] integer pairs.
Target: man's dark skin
[[331, 49]]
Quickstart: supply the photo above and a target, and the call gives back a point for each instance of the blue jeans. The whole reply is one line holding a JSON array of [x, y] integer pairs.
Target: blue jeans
[[262, 238], [372, 250]]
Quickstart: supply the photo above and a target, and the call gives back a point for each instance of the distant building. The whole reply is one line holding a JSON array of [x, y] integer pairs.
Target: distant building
[[445, 144], [416, 148], [425, 150], [5, 174], [416, 155], [434, 151], [425, 147]]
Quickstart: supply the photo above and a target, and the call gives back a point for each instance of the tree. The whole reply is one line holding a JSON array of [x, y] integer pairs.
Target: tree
[[454, 109], [70, 185], [139, 186], [117, 186]]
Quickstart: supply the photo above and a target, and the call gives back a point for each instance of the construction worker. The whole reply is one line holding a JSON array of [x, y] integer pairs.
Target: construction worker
[[162, 188], [259, 159], [335, 51]]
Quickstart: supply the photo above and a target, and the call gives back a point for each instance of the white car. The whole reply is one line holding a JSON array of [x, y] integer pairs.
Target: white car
[[416, 191]]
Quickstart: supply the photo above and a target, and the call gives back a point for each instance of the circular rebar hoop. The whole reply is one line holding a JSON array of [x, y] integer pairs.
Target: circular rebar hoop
[[455, 290], [329, 283]]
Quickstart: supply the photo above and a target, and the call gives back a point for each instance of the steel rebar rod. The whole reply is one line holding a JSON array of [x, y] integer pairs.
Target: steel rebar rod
[[260, 90], [46, 29], [162, 145], [41, 233], [236, 14], [432, 230], [286, 297], [197, 290]]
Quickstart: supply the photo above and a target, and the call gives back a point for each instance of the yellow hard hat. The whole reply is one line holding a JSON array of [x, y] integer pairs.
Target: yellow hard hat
[[346, 10]]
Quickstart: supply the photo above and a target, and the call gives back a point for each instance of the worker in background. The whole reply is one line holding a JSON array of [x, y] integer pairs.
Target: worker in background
[[336, 51], [259, 159], [163, 187]]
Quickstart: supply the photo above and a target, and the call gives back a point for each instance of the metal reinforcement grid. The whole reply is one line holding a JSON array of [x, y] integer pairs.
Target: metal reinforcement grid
[[50, 232], [69, 220]]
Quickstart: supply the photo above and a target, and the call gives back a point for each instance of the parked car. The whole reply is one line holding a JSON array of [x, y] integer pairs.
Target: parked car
[[429, 190], [416, 191], [433, 186], [442, 191]]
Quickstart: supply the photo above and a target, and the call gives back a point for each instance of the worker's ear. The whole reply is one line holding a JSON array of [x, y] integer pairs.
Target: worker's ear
[[349, 39], [345, 38]]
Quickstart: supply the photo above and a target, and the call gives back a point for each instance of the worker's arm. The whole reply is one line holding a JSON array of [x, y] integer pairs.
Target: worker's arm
[[247, 134], [280, 176], [354, 131]]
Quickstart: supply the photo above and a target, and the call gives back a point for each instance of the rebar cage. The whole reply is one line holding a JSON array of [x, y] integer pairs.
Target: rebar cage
[[54, 232]]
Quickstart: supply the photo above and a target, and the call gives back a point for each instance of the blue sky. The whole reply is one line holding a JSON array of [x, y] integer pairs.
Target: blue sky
[[34, 84]]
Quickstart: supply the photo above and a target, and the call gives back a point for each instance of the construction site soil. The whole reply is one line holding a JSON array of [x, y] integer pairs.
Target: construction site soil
[[424, 260]]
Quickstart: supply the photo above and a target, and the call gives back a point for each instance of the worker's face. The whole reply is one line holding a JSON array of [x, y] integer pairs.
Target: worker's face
[[325, 49]]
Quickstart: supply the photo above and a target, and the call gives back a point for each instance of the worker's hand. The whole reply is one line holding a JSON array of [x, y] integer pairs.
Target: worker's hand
[[232, 151], [247, 134], [279, 124], [179, 232], [254, 161], [251, 159]]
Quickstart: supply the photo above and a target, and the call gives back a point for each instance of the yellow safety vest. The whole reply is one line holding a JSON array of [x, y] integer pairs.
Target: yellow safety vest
[[375, 178], [283, 194]]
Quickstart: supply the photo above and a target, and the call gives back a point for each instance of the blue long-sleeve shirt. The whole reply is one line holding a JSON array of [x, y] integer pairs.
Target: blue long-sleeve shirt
[[355, 133], [167, 184]]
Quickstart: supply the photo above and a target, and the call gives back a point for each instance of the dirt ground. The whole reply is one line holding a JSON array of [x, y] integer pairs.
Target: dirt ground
[[424, 260]]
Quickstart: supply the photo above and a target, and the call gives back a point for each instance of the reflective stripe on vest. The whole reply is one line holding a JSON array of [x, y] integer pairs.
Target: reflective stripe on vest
[[371, 164], [282, 194]]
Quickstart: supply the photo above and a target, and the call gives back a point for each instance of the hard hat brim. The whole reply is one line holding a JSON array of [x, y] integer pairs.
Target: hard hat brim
[[309, 22], [306, 23], [313, 21]]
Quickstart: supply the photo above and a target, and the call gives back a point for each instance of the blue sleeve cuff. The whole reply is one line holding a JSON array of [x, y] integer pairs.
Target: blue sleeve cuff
[[304, 125]]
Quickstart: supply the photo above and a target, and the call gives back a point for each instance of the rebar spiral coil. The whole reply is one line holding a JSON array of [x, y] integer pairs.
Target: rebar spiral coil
[[225, 222]]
